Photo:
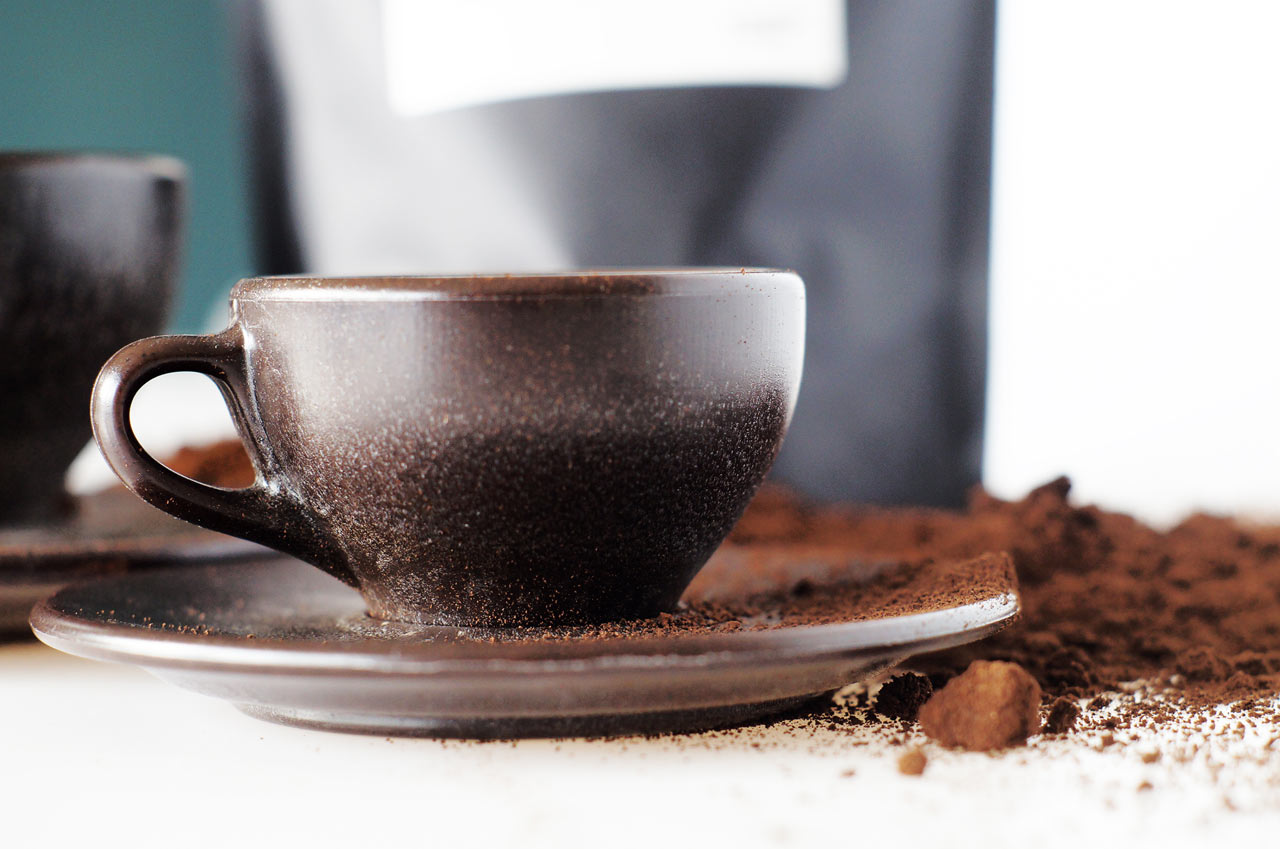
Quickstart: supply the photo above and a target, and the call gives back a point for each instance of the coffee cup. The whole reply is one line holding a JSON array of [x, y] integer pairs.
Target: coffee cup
[[506, 450], [88, 258]]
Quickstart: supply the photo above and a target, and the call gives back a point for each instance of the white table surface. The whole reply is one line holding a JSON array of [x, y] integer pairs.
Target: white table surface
[[108, 753]]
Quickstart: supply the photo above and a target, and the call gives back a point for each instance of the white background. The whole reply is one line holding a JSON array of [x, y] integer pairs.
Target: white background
[[1135, 287]]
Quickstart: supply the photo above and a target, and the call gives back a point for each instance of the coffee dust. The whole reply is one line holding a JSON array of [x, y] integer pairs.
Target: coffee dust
[[1130, 631]]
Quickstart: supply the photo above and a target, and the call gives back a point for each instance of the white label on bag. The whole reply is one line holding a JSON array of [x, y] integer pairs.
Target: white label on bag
[[445, 55]]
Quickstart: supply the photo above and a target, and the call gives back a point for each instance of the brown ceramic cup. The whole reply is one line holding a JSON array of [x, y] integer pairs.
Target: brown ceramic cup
[[89, 249], [487, 450]]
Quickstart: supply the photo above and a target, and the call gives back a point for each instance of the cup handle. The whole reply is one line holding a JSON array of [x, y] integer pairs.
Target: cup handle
[[263, 512]]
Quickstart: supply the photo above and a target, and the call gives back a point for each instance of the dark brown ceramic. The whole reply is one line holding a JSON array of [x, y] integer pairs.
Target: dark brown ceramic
[[284, 643], [108, 533], [88, 257], [498, 450]]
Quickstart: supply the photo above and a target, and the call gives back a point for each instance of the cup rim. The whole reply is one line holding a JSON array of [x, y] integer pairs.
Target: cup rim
[[158, 164], [506, 286]]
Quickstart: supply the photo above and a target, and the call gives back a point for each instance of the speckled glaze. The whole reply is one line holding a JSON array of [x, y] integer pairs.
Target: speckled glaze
[[88, 258], [496, 450]]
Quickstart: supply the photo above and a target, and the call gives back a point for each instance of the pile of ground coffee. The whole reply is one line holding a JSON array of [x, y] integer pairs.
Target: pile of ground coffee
[[1106, 599], [222, 463]]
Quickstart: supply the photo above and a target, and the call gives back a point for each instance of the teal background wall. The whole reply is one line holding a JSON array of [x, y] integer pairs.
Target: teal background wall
[[139, 75]]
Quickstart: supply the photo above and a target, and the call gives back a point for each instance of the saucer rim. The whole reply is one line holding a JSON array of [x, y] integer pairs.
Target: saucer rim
[[373, 685], [47, 554], [145, 645]]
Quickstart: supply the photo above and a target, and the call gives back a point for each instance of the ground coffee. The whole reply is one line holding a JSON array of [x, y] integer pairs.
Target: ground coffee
[[1062, 717], [902, 696], [912, 762], [222, 463], [1106, 599]]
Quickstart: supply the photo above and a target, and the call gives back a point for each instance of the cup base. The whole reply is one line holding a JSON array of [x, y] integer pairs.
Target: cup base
[[482, 615]]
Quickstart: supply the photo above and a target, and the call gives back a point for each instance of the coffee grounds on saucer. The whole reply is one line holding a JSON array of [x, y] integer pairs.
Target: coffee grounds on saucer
[[765, 588]]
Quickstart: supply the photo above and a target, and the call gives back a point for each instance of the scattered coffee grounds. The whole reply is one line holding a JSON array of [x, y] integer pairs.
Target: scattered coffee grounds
[[902, 696], [223, 463], [1106, 599], [1063, 714], [912, 762], [765, 589], [1158, 649], [992, 705]]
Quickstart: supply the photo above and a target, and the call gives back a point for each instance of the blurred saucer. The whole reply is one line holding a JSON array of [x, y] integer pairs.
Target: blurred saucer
[[286, 643], [109, 533]]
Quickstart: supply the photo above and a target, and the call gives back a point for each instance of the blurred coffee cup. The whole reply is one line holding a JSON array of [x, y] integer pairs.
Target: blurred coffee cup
[[89, 249]]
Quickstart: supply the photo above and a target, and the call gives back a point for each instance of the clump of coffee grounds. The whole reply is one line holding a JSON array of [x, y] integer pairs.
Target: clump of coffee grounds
[[902, 696], [912, 762], [1062, 717], [1106, 599], [991, 705]]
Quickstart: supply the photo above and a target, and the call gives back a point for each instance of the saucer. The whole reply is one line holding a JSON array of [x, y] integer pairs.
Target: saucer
[[286, 643], [109, 532]]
